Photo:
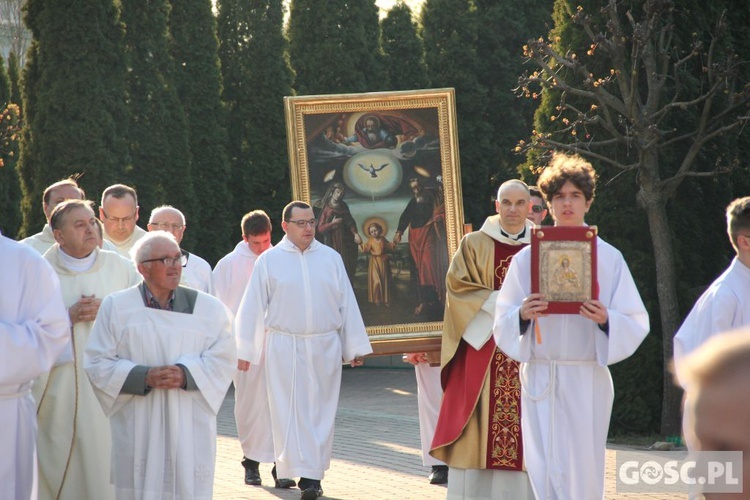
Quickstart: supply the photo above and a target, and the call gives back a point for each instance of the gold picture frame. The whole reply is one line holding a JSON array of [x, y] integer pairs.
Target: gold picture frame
[[384, 166], [564, 266]]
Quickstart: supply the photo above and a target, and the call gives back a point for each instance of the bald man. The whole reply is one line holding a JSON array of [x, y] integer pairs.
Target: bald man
[[477, 432], [197, 272]]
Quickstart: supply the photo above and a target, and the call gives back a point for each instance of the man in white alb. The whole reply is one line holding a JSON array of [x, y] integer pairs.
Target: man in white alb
[[231, 276], [197, 272], [34, 330], [74, 444], [160, 358], [119, 213], [299, 317], [66, 189], [567, 391], [725, 305]]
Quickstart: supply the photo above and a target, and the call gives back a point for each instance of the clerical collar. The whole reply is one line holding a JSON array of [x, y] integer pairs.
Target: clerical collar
[[151, 301], [74, 264], [514, 237]]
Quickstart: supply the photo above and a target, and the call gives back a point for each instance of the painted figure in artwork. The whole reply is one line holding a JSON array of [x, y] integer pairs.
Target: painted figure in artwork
[[379, 268]]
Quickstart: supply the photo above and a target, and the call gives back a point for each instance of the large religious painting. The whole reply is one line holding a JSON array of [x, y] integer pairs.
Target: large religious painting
[[381, 172], [563, 267]]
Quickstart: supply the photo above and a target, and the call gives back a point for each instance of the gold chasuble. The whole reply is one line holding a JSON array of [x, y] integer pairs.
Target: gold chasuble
[[479, 426]]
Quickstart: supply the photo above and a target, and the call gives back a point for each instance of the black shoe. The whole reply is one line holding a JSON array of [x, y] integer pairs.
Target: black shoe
[[311, 493], [252, 474], [282, 483], [311, 488], [439, 474]]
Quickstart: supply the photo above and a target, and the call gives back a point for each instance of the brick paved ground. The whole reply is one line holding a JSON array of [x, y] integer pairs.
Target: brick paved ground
[[375, 450]]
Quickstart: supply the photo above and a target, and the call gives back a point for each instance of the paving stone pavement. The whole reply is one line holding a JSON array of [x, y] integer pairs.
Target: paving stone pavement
[[376, 449]]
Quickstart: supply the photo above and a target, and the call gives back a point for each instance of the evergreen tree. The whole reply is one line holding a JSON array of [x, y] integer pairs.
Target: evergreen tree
[[449, 30], [5, 87], [161, 163], [74, 100], [14, 74], [10, 189], [504, 27], [257, 76], [335, 49], [403, 50], [198, 84]]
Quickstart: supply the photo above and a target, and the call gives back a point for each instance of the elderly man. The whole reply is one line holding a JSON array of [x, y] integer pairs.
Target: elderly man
[[160, 358], [34, 330], [567, 388], [197, 272], [297, 320], [231, 276], [537, 206], [66, 189], [477, 432], [119, 213], [74, 438]]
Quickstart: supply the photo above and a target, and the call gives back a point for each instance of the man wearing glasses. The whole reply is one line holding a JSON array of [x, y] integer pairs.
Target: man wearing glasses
[[197, 272], [537, 207], [119, 213], [299, 316], [161, 357]]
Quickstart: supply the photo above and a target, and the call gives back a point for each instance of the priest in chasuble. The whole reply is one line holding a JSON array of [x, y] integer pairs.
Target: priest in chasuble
[[478, 432], [567, 390], [74, 438]]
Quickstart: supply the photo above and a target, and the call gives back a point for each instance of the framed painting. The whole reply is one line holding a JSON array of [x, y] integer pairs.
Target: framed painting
[[381, 171], [563, 266]]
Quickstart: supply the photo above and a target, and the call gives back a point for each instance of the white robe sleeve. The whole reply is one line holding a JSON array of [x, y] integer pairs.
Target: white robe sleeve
[[106, 370], [37, 329], [506, 330], [714, 312], [479, 329], [250, 322], [354, 339], [628, 318], [213, 367]]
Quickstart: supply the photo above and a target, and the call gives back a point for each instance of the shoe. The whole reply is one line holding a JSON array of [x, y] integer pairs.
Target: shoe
[[252, 474], [282, 483], [439, 474], [311, 493], [311, 488]]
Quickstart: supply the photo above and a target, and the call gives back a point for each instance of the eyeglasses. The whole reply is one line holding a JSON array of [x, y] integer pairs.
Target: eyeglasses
[[537, 209], [169, 261], [167, 227], [118, 220], [303, 223]]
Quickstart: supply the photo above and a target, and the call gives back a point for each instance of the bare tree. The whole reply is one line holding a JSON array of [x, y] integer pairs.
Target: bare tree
[[654, 96], [13, 34]]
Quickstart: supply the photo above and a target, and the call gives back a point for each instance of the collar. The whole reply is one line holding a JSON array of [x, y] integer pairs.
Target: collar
[[151, 302], [77, 265], [287, 245], [494, 230]]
